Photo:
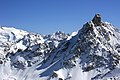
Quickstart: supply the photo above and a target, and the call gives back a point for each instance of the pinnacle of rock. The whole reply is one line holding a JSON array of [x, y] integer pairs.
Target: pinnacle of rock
[[97, 20]]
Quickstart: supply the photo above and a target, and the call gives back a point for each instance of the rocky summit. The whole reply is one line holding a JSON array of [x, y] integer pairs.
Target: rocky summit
[[91, 53], [97, 20]]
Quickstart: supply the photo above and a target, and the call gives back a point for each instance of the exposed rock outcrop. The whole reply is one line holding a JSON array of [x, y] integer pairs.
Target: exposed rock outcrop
[[97, 20]]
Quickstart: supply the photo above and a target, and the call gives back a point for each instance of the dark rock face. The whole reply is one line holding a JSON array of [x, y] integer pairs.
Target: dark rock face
[[97, 20], [1, 62]]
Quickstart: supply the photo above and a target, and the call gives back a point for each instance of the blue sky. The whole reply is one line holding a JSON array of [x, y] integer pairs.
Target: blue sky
[[48, 16]]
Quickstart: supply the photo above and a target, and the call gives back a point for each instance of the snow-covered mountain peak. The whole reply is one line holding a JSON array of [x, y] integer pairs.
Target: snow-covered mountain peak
[[11, 34], [94, 48], [58, 36], [92, 53]]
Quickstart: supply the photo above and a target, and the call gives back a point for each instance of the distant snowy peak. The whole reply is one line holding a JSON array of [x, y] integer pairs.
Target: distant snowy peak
[[11, 34], [57, 36], [12, 40]]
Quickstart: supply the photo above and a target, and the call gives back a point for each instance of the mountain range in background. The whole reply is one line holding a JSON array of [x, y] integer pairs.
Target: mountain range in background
[[92, 53]]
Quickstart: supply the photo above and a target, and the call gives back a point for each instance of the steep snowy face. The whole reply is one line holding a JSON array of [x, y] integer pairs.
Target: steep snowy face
[[100, 46], [89, 55]]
